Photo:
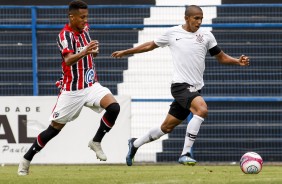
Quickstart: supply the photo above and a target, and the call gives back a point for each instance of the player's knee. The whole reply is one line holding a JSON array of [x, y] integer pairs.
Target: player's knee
[[113, 109], [57, 126], [48, 134], [202, 112], [166, 129]]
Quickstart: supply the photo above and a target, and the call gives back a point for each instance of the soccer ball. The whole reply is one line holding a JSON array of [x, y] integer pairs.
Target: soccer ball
[[251, 163]]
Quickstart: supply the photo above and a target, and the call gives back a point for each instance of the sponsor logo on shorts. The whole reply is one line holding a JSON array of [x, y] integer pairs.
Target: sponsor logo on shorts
[[89, 76], [192, 89], [56, 114]]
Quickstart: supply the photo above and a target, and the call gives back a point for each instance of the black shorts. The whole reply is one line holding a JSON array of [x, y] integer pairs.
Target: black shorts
[[183, 95]]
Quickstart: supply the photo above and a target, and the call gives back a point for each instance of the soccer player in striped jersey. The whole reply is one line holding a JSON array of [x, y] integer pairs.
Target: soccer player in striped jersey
[[189, 45], [79, 86]]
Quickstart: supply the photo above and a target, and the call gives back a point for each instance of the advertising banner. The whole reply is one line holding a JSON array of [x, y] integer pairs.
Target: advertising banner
[[23, 118]]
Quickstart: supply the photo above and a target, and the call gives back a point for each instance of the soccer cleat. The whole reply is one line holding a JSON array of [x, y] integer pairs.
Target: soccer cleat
[[131, 152], [96, 147], [23, 169], [187, 160]]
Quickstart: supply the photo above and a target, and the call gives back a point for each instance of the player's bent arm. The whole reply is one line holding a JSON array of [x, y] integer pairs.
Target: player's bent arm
[[145, 47], [228, 60], [72, 58]]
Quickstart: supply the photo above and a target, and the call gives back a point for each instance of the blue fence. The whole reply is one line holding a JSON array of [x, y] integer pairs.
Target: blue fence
[[27, 18], [31, 22]]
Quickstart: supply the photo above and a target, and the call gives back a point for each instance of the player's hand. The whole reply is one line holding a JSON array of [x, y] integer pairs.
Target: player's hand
[[118, 54], [59, 83], [92, 48], [244, 61]]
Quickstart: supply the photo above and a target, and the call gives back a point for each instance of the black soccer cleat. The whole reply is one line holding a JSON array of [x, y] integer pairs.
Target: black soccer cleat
[[131, 152]]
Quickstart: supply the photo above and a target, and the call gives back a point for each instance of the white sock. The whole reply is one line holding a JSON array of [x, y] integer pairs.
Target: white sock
[[193, 128], [150, 136]]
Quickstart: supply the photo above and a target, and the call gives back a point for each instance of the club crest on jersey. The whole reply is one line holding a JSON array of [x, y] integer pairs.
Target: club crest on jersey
[[199, 38], [89, 76], [79, 49]]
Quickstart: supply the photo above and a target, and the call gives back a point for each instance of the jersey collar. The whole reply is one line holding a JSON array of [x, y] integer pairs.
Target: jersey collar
[[70, 29]]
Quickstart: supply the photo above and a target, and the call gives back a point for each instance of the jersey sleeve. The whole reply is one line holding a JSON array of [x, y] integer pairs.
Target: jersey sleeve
[[162, 40], [212, 41], [65, 43]]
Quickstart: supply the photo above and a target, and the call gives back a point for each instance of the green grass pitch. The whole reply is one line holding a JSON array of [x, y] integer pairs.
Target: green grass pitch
[[139, 174]]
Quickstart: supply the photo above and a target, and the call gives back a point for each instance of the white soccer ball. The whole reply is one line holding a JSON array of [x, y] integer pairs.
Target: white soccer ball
[[251, 163]]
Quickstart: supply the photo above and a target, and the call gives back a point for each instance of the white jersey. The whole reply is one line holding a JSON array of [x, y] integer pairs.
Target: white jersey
[[188, 53]]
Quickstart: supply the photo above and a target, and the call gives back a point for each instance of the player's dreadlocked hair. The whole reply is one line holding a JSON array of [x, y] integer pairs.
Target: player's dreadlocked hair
[[77, 4]]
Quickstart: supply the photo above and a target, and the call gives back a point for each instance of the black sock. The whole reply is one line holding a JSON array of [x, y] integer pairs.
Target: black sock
[[103, 129], [41, 141], [107, 121]]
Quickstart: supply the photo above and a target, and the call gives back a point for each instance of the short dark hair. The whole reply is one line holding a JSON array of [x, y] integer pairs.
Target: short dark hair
[[77, 4], [189, 9]]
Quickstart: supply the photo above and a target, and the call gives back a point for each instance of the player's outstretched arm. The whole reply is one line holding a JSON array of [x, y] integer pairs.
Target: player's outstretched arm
[[226, 59], [145, 47]]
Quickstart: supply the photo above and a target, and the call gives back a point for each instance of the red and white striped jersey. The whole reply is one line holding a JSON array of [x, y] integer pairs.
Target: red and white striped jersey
[[82, 74]]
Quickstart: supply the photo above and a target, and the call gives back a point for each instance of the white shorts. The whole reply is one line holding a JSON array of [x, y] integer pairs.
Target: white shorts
[[69, 103]]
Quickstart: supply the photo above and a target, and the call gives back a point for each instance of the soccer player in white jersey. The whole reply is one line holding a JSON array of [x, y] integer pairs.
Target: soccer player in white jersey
[[189, 45], [79, 86]]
